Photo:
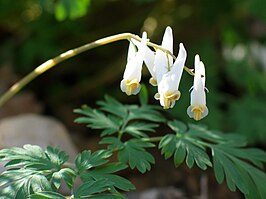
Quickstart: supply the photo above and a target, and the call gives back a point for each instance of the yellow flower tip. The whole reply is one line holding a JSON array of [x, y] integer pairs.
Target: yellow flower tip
[[170, 98], [197, 115], [153, 81], [132, 87], [198, 112], [157, 96], [173, 95]]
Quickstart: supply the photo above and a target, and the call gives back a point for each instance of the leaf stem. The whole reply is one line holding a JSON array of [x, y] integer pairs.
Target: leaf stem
[[122, 129], [69, 165], [152, 139], [71, 53]]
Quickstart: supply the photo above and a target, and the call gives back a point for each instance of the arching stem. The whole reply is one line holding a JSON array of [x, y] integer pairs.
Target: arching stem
[[71, 53]]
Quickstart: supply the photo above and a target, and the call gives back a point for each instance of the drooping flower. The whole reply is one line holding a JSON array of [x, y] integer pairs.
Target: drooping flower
[[198, 108], [168, 74], [162, 61], [132, 75], [149, 57]]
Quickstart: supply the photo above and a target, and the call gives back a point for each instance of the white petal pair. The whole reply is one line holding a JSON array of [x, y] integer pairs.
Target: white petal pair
[[198, 108], [132, 75], [167, 73]]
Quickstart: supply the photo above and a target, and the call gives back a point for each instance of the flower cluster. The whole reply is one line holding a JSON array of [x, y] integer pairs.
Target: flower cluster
[[166, 72]]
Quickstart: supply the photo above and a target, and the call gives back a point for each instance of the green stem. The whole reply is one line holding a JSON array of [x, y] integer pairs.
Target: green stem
[[152, 139], [205, 144], [122, 128], [68, 54], [69, 165]]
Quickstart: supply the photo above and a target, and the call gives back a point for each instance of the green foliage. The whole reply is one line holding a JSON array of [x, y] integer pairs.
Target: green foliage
[[105, 173], [241, 167], [90, 188], [115, 118], [46, 195], [31, 170], [256, 7], [247, 109], [191, 144], [143, 95], [126, 130], [36, 173], [183, 148], [135, 154], [64, 9], [98, 177], [87, 159]]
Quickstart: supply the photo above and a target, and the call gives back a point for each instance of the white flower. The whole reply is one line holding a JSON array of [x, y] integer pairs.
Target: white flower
[[162, 61], [168, 74], [132, 75], [198, 108], [149, 61]]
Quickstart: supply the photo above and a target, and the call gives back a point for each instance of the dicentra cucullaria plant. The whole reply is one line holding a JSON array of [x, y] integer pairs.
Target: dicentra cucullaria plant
[[128, 131]]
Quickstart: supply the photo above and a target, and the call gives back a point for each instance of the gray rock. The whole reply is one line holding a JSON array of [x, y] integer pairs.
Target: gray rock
[[157, 193], [35, 129]]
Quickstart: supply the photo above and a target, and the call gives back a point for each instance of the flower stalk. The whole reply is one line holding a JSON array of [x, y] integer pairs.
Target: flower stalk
[[71, 53]]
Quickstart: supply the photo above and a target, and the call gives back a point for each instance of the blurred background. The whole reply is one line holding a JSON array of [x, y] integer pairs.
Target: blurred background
[[229, 35]]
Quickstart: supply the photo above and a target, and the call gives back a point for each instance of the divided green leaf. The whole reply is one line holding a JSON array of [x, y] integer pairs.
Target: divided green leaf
[[240, 167], [137, 129], [184, 149], [87, 159], [98, 120], [90, 188], [32, 156], [32, 169], [135, 154], [110, 105], [132, 152], [106, 172], [46, 195], [229, 163], [116, 118]]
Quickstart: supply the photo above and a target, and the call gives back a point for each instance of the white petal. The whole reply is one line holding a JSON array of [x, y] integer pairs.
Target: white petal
[[131, 51], [197, 63], [134, 64], [160, 65], [149, 61], [123, 86], [197, 68], [205, 113], [167, 42], [178, 67], [149, 55], [170, 81], [189, 112], [198, 84], [142, 48], [202, 73], [163, 62], [182, 54], [133, 70], [197, 97]]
